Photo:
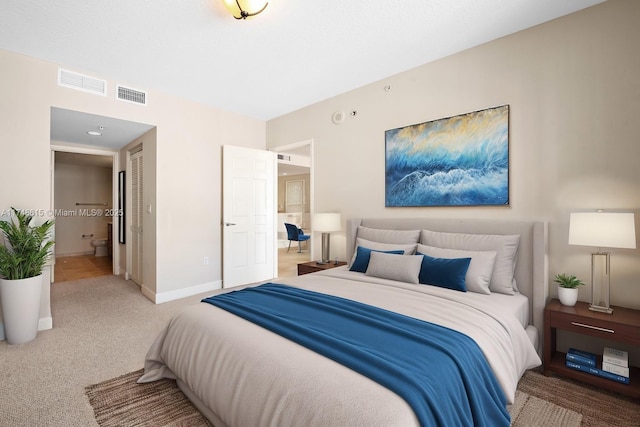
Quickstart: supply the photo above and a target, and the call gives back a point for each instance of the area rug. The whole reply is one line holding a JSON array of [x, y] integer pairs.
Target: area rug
[[122, 402], [540, 401], [597, 407]]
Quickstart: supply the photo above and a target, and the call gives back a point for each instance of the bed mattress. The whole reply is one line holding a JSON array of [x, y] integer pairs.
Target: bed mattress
[[240, 374]]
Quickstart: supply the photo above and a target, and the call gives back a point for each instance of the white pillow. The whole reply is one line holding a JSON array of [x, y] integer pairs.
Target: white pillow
[[409, 249], [388, 236], [480, 267], [395, 267], [506, 246]]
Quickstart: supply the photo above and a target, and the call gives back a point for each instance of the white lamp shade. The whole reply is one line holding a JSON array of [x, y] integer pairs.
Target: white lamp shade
[[326, 222], [602, 230]]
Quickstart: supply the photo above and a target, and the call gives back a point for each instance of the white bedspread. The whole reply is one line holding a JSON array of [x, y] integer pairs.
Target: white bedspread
[[248, 376]]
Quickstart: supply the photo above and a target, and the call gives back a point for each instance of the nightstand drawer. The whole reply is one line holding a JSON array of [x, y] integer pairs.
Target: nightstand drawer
[[601, 328]]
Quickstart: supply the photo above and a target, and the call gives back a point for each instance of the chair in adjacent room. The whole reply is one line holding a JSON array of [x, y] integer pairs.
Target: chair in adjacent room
[[295, 234]]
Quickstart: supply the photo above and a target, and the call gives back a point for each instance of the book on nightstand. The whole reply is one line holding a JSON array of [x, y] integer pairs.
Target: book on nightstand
[[616, 357], [581, 357], [615, 369], [598, 372]]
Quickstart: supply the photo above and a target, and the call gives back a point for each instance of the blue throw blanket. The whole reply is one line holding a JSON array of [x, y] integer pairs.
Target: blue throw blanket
[[441, 373]]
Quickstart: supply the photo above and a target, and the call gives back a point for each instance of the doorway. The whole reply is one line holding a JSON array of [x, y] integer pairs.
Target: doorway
[[90, 138], [82, 203], [295, 203]]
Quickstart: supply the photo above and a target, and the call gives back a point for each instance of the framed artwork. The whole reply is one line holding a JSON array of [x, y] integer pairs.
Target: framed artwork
[[455, 161], [121, 204], [294, 196]]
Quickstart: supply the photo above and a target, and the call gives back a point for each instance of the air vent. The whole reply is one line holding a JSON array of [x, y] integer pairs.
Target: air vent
[[81, 82], [131, 95]]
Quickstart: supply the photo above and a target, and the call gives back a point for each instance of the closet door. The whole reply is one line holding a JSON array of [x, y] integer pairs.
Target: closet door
[[137, 210]]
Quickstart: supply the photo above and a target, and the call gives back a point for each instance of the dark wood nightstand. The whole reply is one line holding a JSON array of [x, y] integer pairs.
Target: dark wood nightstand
[[623, 325], [313, 266]]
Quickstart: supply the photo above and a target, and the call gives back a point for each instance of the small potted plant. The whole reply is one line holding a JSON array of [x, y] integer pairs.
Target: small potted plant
[[22, 258], [568, 285]]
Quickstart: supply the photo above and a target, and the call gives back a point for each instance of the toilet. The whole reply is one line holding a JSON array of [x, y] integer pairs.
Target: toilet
[[101, 247]]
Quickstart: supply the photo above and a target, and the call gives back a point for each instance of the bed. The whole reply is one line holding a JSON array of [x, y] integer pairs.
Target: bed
[[241, 373]]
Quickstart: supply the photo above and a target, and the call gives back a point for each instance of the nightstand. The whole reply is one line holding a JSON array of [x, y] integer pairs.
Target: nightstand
[[313, 266], [623, 325]]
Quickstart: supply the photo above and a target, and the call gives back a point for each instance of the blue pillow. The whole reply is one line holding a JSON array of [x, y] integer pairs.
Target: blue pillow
[[363, 255], [444, 272]]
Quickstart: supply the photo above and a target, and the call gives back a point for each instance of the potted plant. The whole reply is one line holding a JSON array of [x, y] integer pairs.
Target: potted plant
[[22, 258], [568, 288]]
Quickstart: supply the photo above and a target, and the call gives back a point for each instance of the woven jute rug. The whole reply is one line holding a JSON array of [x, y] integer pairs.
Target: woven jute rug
[[540, 401], [122, 402], [597, 407]]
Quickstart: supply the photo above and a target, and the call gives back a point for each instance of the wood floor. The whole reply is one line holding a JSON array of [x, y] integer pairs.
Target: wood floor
[[85, 266], [288, 261], [81, 267]]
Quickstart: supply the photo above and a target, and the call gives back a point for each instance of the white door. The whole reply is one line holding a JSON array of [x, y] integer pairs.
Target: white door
[[137, 211], [249, 247]]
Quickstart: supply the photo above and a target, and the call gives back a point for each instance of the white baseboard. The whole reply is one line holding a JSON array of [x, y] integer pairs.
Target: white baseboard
[[181, 293]]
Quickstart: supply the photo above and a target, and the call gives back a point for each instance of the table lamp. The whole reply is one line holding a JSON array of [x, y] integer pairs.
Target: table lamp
[[602, 230], [326, 223]]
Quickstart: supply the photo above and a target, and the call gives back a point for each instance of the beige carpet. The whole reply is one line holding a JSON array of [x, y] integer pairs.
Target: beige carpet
[[123, 402], [102, 328]]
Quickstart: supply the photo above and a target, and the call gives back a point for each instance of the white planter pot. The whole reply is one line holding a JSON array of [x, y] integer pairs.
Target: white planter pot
[[568, 296], [20, 308]]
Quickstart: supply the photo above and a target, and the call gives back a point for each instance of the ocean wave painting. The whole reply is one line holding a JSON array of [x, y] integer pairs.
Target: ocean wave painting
[[457, 161]]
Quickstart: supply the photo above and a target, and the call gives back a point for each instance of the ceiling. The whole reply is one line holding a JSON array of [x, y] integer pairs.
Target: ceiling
[[72, 126], [292, 55]]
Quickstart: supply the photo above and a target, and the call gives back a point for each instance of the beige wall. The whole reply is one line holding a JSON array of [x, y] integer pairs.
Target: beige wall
[[185, 196], [574, 94]]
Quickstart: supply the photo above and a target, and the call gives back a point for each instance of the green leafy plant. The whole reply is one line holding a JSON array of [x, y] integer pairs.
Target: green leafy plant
[[568, 281], [26, 247]]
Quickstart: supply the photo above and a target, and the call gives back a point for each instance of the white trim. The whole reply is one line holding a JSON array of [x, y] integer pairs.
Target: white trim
[[180, 293]]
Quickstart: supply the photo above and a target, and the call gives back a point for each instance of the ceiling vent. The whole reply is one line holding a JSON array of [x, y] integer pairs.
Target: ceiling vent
[[131, 95], [81, 82]]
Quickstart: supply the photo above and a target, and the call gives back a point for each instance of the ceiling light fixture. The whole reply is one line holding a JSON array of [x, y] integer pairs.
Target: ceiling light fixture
[[96, 132], [245, 8]]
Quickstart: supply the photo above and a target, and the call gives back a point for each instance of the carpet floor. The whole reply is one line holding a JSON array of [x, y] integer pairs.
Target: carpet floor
[[540, 401]]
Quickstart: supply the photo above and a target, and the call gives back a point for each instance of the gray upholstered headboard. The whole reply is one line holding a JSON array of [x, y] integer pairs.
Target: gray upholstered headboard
[[531, 266]]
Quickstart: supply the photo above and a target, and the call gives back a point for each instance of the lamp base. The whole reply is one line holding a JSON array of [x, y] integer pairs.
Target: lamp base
[[601, 309], [322, 262]]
